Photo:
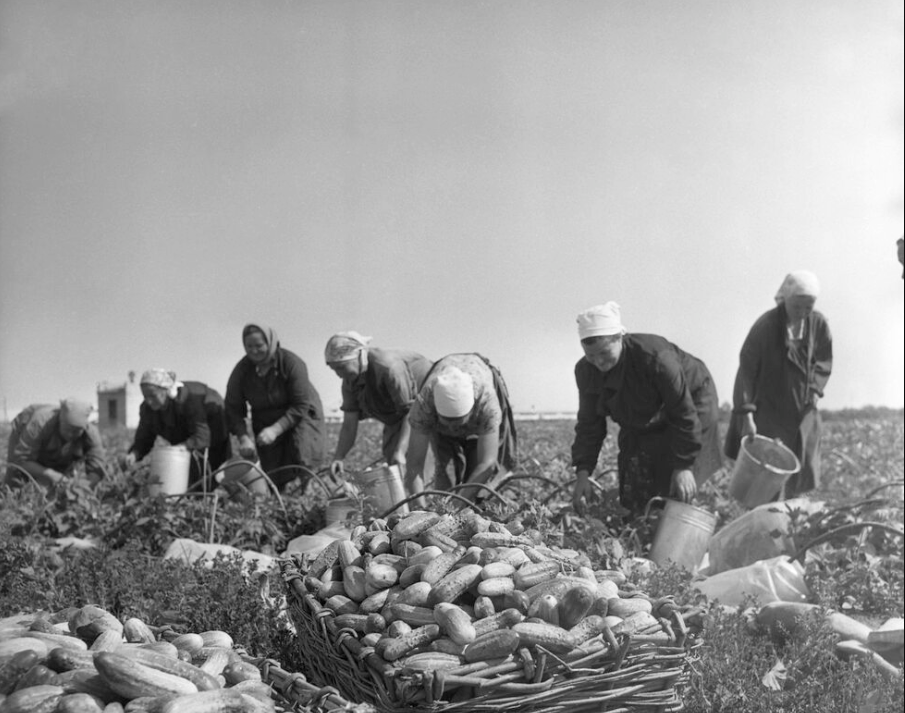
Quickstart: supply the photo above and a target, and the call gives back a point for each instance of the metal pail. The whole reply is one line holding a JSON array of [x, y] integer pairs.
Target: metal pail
[[236, 473], [761, 469], [682, 535], [380, 489], [169, 470]]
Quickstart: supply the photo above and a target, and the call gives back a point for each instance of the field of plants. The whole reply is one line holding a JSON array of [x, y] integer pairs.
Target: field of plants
[[851, 568]]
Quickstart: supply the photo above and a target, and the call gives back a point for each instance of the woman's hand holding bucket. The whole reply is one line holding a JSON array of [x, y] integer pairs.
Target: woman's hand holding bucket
[[683, 485]]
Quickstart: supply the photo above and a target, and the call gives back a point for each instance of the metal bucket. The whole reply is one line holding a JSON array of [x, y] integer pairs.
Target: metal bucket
[[239, 475], [682, 535], [339, 511], [761, 469], [169, 470], [380, 489]]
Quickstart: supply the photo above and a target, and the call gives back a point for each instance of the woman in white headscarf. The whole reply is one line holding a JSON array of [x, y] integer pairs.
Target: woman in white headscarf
[[784, 365], [463, 413], [188, 414], [663, 400], [376, 383]]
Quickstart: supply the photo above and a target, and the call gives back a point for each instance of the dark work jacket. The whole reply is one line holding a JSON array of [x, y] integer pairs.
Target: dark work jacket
[[665, 403], [286, 395], [387, 389], [195, 418], [35, 436], [777, 381]]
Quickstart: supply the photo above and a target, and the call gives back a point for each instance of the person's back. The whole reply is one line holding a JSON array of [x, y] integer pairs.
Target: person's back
[[47, 440]]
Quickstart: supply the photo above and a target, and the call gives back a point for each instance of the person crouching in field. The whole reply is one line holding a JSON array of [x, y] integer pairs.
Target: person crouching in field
[[188, 414], [287, 418], [48, 442], [664, 401], [462, 411], [784, 365], [376, 383]]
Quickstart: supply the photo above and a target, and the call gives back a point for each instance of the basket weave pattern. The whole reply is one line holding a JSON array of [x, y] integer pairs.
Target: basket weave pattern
[[625, 674]]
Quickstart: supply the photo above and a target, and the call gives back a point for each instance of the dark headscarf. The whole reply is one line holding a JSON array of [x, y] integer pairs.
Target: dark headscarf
[[273, 341]]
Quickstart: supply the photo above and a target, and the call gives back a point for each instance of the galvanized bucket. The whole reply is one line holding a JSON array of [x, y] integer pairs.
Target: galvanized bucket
[[380, 489], [682, 534], [761, 469], [241, 472]]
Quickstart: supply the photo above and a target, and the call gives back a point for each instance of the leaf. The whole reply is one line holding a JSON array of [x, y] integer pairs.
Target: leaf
[[871, 703], [775, 678]]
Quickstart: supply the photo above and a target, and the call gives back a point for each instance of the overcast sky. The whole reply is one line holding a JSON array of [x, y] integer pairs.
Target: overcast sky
[[444, 176]]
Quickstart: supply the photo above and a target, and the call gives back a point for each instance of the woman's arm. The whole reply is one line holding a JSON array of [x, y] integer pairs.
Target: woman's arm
[[744, 393], [348, 432], [822, 358], [145, 433], [590, 427], [488, 446], [196, 420], [683, 425], [298, 390], [234, 402]]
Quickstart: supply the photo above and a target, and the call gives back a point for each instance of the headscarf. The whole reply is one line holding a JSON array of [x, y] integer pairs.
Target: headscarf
[[270, 337], [600, 320], [453, 393], [163, 379], [75, 412], [344, 346], [800, 282]]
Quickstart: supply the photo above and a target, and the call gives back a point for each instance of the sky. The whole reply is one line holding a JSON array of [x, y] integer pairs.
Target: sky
[[444, 177]]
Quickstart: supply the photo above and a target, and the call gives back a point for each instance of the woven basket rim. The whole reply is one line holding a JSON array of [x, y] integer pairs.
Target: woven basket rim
[[359, 674]]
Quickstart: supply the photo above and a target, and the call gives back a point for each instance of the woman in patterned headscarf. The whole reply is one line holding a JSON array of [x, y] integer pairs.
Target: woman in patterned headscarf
[[188, 414], [376, 383], [287, 418], [784, 365]]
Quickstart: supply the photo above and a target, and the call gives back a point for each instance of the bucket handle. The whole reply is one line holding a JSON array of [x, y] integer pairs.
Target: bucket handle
[[651, 502]]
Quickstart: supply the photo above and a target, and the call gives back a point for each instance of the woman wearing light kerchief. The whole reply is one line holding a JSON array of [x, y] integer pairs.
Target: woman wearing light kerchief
[[376, 383], [663, 400], [188, 414], [463, 412], [784, 365], [287, 418]]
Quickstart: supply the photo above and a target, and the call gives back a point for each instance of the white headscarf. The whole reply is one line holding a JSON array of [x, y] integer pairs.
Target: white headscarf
[[800, 282], [453, 393], [600, 321]]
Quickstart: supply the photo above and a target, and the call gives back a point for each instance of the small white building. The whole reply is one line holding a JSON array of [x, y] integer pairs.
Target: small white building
[[118, 403]]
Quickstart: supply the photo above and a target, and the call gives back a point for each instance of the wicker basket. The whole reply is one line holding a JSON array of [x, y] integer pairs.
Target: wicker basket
[[293, 691], [626, 674]]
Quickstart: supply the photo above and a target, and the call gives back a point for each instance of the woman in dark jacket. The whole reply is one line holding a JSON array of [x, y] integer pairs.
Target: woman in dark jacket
[[376, 383], [783, 368], [287, 418], [188, 414], [663, 400]]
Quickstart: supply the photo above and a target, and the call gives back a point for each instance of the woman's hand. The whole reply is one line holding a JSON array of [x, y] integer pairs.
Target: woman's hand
[[337, 469], [128, 460], [581, 492], [398, 459], [247, 448], [267, 436], [683, 485], [749, 428]]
